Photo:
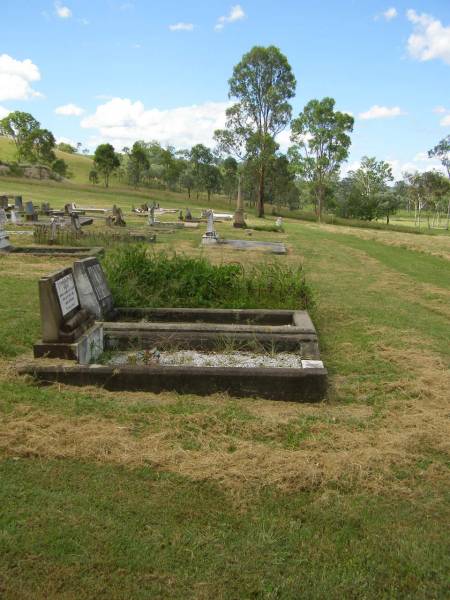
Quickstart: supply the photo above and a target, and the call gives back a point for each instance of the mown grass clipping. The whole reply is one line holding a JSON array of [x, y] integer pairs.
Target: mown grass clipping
[[142, 277]]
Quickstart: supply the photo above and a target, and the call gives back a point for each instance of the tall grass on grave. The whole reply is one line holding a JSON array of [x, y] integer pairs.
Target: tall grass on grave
[[139, 277]]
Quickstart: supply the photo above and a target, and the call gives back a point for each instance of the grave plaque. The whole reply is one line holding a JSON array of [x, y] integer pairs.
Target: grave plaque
[[93, 289], [67, 294]]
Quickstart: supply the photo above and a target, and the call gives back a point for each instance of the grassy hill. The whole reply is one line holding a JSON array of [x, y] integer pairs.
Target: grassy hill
[[79, 165]]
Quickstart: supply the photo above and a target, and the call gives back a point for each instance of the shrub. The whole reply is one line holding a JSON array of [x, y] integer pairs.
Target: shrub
[[139, 277]]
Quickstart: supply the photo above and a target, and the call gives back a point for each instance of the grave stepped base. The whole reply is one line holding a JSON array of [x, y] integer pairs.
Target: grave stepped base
[[293, 385]]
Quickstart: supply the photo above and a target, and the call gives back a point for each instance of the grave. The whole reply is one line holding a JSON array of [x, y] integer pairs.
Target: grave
[[211, 237], [197, 328], [117, 217], [68, 330], [69, 300]]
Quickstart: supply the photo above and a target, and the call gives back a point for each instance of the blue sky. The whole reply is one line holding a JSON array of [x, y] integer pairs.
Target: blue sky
[[120, 70]]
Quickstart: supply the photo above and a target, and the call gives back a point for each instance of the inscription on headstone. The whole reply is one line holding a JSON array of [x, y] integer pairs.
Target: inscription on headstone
[[67, 294], [99, 282]]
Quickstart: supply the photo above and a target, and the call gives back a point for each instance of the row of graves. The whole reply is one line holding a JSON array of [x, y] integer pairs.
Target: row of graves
[[88, 340]]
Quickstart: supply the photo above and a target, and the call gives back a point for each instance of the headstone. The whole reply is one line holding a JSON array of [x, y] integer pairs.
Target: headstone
[[95, 295], [45, 208], [53, 230], [3, 217], [188, 215], [30, 213], [3, 201], [4, 239], [68, 330], [18, 204], [75, 222], [210, 236], [13, 217], [118, 216], [151, 215]]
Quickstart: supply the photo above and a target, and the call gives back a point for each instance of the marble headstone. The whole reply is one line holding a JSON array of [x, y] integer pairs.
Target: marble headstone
[[95, 295]]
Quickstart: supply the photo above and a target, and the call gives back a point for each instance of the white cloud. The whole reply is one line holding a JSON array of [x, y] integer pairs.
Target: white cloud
[[430, 38], [4, 112], [15, 78], [181, 27], [65, 140], [121, 121], [445, 121], [440, 110], [69, 110], [381, 112], [236, 14], [390, 13], [63, 12]]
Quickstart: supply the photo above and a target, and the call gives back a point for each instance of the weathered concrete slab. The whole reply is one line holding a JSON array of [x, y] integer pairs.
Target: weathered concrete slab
[[294, 385], [273, 247]]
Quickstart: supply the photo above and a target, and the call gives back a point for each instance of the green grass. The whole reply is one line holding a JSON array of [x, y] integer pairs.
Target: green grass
[[139, 277], [115, 495], [75, 530]]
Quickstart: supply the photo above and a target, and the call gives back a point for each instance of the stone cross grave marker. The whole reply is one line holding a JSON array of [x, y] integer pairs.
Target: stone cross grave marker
[[93, 288]]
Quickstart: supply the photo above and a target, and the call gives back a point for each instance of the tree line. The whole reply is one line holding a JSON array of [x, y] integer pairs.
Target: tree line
[[261, 87]]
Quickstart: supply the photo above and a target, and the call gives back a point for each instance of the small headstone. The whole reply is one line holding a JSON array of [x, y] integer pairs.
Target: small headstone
[[13, 217], [151, 215], [188, 215], [75, 222], [30, 213], [18, 204], [4, 239], [210, 236], [95, 295], [279, 223], [118, 216]]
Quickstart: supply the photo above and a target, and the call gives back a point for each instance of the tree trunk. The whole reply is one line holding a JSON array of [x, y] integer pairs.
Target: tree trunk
[[320, 194], [261, 192]]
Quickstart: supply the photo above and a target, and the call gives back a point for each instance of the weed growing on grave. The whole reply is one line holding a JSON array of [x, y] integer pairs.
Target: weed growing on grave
[[139, 277]]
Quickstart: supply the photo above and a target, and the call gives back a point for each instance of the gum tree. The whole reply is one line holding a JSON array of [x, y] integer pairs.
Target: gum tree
[[321, 141], [262, 84], [442, 152]]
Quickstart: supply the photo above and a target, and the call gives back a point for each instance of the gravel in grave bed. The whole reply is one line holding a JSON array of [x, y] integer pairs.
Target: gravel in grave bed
[[193, 358]]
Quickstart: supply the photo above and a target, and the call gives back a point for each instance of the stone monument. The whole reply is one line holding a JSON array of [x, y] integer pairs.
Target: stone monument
[[5, 245], [239, 219], [151, 216], [92, 285], [210, 236], [30, 212], [68, 330]]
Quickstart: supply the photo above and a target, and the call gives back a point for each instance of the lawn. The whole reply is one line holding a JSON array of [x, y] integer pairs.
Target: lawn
[[137, 495]]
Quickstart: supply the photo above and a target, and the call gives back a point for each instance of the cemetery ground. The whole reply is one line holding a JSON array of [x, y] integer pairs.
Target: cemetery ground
[[113, 495]]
